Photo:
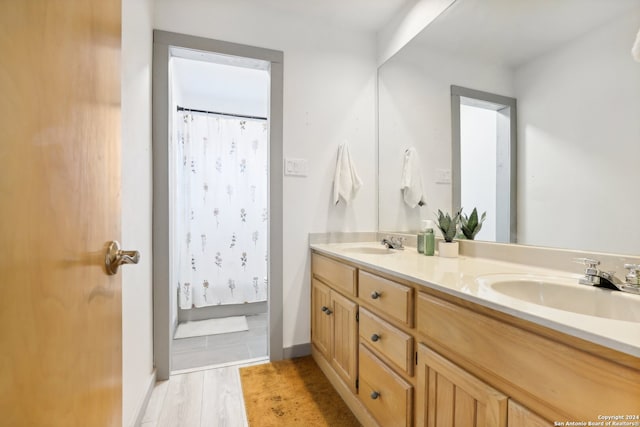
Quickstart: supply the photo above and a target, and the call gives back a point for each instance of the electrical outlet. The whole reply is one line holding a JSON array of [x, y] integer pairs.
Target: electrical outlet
[[443, 176], [296, 167]]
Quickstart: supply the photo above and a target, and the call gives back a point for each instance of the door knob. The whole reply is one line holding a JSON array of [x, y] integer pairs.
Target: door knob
[[115, 257]]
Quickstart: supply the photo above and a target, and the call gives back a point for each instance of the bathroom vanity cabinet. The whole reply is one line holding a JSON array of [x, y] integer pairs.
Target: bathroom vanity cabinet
[[333, 320], [402, 353], [449, 396], [335, 331]]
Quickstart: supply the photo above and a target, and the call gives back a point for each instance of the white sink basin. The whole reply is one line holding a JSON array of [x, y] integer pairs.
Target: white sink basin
[[565, 294], [372, 250]]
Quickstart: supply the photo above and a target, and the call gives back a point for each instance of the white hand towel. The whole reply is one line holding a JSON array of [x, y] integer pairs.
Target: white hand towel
[[346, 181], [411, 182]]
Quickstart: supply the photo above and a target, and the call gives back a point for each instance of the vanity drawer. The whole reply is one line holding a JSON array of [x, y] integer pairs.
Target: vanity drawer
[[389, 298], [339, 276], [386, 395], [390, 341]]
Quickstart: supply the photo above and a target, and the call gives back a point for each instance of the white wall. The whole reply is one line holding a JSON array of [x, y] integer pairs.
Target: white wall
[[329, 96], [415, 110], [560, 148], [137, 315], [407, 23]]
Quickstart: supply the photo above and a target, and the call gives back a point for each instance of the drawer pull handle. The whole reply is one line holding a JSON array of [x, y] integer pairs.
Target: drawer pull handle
[[374, 395], [375, 294], [375, 337]]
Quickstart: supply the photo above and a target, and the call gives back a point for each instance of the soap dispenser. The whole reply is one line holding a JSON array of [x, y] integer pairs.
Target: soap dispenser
[[429, 238]]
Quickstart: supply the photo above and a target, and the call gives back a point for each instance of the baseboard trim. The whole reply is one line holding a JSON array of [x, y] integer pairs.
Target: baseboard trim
[[143, 407], [298, 350]]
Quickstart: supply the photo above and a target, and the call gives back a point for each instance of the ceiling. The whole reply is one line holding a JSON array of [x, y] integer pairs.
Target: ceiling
[[513, 31], [366, 15]]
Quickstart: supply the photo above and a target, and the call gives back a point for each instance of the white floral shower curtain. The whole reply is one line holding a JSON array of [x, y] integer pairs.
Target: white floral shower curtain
[[221, 209]]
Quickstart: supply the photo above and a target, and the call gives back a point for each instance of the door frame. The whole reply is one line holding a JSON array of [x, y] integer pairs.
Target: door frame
[[507, 186], [163, 41]]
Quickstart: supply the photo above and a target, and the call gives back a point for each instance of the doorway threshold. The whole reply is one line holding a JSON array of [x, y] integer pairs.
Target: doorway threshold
[[238, 363]]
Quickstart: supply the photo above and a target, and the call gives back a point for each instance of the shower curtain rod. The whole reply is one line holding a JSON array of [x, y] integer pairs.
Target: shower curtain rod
[[221, 114]]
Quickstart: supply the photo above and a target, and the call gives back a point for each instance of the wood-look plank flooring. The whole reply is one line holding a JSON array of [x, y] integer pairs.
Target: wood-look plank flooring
[[211, 397], [204, 388]]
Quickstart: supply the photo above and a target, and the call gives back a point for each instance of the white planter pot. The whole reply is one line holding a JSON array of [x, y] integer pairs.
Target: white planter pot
[[448, 249]]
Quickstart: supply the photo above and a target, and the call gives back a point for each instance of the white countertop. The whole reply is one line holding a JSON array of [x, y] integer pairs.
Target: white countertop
[[457, 277]]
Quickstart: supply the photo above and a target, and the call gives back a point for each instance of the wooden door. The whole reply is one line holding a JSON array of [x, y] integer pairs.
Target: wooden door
[[320, 318], [344, 350], [60, 313], [447, 396]]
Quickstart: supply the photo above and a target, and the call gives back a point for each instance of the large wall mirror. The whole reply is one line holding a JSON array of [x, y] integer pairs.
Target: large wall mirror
[[576, 158]]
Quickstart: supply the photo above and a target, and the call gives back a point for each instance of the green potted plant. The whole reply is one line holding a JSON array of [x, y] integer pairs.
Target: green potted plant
[[448, 225], [470, 225]]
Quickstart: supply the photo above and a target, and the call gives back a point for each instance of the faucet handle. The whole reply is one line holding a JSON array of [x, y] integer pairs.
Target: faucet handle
[[633, 277], [591, 264]]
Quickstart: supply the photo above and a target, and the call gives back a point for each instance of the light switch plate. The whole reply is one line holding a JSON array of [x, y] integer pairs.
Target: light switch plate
[[443, 176], [296, 167]]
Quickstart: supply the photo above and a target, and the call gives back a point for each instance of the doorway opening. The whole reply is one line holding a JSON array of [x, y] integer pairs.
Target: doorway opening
[[218, 190], [484, 160], [217, 142]]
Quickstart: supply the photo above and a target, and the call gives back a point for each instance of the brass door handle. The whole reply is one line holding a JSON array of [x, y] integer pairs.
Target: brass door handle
[[115, 257]]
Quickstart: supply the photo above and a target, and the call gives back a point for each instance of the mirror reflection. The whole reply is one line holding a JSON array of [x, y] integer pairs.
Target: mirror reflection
[[573, 166]]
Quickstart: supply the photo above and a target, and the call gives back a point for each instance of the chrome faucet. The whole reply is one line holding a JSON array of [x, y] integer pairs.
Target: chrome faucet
[[607, 279], [392, 242]]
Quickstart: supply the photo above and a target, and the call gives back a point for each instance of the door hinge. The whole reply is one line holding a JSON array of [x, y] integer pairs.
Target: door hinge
[[357, 316]]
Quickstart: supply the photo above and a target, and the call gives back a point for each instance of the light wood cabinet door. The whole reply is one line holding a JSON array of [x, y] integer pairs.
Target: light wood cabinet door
[[320, 318], [519, 416], [447, 396], [344, 350]]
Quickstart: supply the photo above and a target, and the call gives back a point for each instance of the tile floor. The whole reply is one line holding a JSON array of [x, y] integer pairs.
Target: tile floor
[[196, 352]]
